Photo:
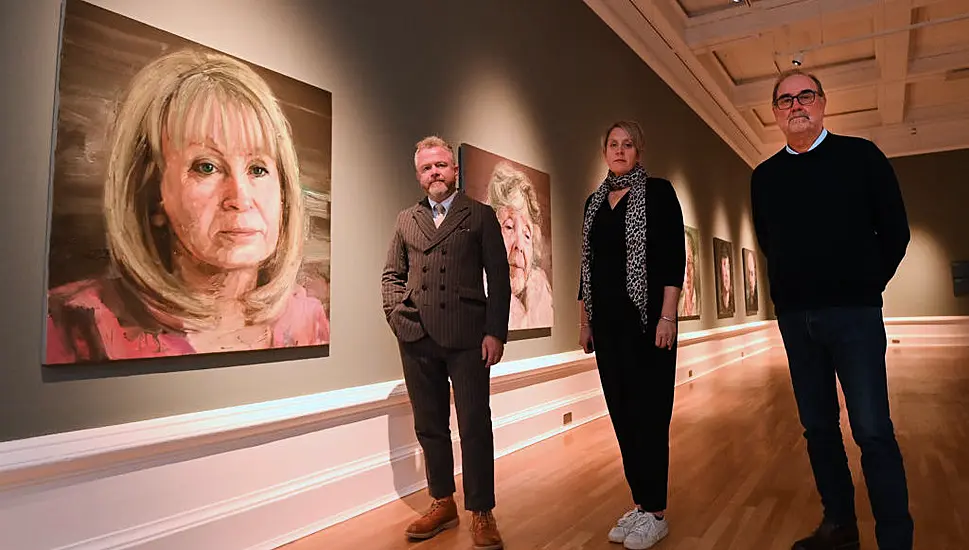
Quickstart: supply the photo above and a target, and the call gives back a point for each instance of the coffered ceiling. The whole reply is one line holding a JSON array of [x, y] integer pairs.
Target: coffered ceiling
[[894, 71]]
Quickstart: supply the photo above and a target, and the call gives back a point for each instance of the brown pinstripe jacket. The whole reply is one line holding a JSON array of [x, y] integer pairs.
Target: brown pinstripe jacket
[[432, 283]]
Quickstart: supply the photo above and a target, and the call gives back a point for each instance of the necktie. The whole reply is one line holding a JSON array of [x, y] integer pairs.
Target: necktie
[[438, 214]]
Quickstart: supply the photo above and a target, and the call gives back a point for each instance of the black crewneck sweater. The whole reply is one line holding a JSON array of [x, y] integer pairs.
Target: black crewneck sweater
[[831, 223]]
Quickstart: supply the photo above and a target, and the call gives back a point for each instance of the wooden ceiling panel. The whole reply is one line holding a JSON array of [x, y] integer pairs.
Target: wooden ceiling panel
[[748, 59], [813, 37], [764, 114], [851, 101], [943, 37], [938, 92], [700, 7]]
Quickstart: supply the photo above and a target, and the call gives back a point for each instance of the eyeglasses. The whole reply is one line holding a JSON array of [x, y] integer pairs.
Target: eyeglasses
[[804, 97]]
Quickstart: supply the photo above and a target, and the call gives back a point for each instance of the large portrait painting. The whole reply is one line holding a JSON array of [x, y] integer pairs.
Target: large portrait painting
[[750, 281], [689, 306], [521, 198], [723, 269], [190, 207]]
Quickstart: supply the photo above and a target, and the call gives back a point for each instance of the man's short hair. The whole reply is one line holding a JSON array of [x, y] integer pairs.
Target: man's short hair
[[794, 72], [433, 141]]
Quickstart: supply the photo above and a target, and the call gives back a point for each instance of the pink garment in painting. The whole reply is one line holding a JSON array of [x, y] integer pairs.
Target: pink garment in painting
[[90, 321]]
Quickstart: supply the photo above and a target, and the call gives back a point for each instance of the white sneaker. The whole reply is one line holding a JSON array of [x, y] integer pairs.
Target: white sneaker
[[646, 532], [625, 525]]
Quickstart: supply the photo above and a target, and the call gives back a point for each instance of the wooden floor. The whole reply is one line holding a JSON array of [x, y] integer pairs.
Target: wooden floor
[[740, 477]]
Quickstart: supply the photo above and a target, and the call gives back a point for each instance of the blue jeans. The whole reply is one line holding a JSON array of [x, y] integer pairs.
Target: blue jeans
[[850, 343]]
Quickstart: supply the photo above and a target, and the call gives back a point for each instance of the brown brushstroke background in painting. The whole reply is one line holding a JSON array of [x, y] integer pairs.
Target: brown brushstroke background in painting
[[476, 167], [101, 52]]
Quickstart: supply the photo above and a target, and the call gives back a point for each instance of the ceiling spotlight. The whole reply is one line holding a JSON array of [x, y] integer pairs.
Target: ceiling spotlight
[[798, 59]]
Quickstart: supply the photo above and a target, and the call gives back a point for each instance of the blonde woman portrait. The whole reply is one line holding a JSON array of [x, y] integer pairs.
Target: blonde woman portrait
[[204, 224]]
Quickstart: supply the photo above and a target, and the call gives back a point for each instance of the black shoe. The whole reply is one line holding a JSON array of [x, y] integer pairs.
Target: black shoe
[[829, 536]]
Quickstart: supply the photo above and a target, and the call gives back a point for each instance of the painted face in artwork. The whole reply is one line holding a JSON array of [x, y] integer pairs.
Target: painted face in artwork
[[690, 270], [517, 230], [751, 272], [221, 191]]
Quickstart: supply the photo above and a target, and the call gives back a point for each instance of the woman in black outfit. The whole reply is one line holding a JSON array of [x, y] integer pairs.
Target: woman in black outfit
[[632, 266]]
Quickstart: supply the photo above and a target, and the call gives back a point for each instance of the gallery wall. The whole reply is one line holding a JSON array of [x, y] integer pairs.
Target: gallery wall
[[935, 188], [511, 78]]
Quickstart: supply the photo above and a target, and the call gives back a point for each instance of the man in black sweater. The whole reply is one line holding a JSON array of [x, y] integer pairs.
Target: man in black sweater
[[829, 216]]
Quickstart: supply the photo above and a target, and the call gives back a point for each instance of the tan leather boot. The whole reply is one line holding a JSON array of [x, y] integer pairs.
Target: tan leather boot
[[484, 531], [442, 514]]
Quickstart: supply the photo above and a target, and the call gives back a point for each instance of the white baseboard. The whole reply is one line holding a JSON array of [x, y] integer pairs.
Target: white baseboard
[[950, 331], [258, 476]]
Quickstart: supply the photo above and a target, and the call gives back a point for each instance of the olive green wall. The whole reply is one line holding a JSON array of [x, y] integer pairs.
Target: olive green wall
[[936, 192]]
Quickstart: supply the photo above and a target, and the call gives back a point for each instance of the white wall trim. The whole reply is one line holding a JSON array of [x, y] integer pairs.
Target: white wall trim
[[934, 331], [56, 455], [928, 320], [64, 454], [266, 474]]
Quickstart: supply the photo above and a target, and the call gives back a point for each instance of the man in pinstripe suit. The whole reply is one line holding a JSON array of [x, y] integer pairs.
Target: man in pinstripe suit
[[448, 327]]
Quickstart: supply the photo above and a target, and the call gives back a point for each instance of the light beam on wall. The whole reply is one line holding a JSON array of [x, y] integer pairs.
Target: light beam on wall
[[923, 282], [492, 114]]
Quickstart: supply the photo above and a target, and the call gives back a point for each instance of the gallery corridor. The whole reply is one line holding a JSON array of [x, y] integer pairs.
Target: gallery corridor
[[740, 478]]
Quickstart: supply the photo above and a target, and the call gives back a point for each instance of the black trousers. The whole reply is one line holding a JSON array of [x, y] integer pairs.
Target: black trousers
[[638, 380], [848, 343], [427, 368]]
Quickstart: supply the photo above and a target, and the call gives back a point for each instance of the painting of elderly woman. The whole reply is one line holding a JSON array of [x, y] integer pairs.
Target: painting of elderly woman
[[521, 198], [190, 199], [689, 306]]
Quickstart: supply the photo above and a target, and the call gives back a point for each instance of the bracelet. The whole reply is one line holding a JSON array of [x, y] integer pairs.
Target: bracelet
[[665, 318]]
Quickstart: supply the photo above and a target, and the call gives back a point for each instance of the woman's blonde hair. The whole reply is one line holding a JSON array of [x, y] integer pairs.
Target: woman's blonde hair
[[171, 98]]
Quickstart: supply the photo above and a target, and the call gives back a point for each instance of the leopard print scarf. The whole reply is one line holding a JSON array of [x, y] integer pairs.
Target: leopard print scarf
[[636, 285]]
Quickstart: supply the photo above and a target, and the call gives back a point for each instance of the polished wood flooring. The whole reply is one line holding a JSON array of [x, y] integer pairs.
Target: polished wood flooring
[[740, 478]]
